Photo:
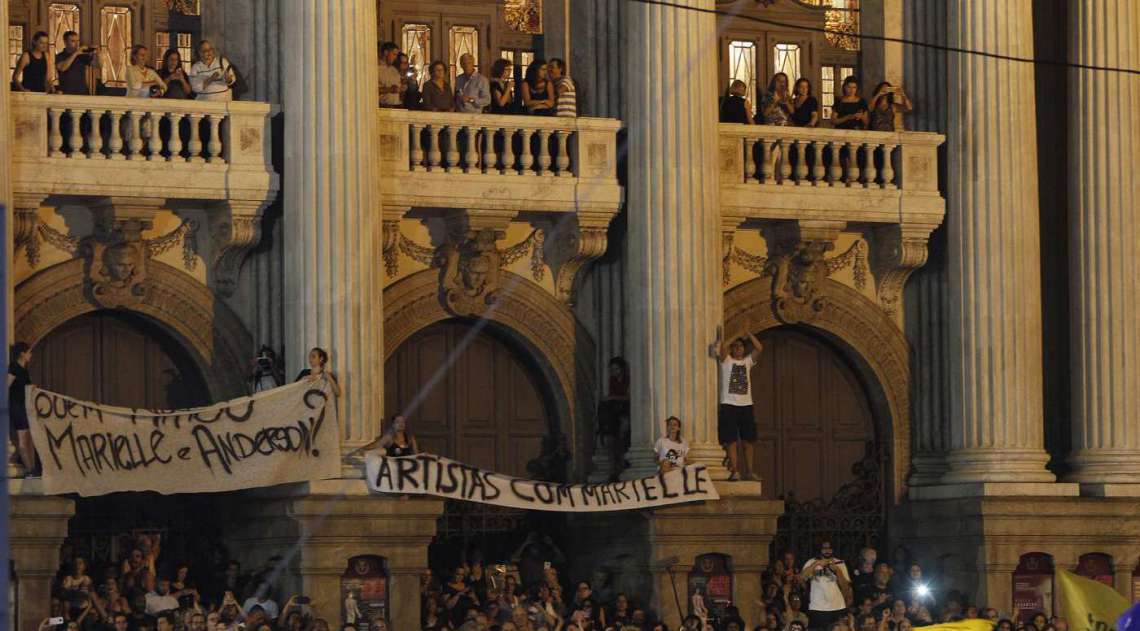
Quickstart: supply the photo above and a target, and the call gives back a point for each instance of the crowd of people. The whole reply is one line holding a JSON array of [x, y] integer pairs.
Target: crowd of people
[[144, 591], [820, 594], [211, 77], [800, 108], [546, 90]]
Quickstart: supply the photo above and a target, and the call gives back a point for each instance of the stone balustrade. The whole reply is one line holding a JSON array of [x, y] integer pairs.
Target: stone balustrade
[[497, 162], [176, 149], [774, 172]]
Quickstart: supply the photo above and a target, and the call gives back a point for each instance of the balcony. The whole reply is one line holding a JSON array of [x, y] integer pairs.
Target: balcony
[[832, 175], [493, 163], [177, 150]]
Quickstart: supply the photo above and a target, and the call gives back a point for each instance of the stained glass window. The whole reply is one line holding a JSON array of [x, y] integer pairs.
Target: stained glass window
[[786, 59], [415, 41], [742, 66], [115, 37], [827, 89], [62, 18], [185, 50], [161, 43], [842, 22], [463, 40], [524, 16], [15, 45]]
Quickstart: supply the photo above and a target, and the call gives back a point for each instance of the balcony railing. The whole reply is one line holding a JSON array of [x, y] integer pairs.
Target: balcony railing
[[176, 148], [813, 173], [542, 163]]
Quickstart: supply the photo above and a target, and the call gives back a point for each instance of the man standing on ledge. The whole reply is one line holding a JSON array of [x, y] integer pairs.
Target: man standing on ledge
[[736, 426], [829, 579]]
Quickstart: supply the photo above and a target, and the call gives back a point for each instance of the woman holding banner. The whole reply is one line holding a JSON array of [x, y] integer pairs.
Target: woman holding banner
[[18, 381], [672, 448], [318, 368]]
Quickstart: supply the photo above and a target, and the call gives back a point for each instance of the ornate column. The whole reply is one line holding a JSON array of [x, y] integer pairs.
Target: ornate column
[[673, 292], [997, 433], [1104, 241], [926, 304], [333, 284]]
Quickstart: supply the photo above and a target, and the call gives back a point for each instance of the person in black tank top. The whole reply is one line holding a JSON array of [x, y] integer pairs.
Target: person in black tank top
[[397, 440], [34, 73]]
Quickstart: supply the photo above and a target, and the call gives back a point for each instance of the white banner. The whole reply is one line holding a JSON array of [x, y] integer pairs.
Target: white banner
[[289, 434], [427, 474]]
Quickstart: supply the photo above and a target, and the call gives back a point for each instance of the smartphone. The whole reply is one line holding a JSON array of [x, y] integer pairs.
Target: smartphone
[[302, 600], [56, 620]]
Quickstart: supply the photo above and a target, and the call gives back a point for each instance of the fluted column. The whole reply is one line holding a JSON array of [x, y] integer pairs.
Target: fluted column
[[673, 288], [1104, 241], [997, 432], [331, 214], [924, 80]]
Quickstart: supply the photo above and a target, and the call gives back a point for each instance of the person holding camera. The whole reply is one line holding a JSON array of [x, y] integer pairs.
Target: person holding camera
[[142, 81], [409, 87], [72, 63], [887, 107], [177, 83], [829, 581], [266, 371]]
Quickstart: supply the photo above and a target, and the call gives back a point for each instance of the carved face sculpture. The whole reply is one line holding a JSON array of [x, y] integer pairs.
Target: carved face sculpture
[[119, 263], [475, 274]]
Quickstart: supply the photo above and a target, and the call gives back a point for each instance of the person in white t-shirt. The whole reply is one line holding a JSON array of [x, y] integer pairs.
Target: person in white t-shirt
[[828, 577], [672, 448], [736, 427], [212, 77]]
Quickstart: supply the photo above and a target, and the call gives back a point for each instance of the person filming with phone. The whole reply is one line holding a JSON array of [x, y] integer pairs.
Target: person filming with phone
[[72, 63], [829, 582]]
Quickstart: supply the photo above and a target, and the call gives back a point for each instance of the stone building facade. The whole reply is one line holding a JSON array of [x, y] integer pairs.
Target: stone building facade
[[948, 312]]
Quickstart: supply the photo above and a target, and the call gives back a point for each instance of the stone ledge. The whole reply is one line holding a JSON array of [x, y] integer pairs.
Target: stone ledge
[[994, 489], [1109, 490]]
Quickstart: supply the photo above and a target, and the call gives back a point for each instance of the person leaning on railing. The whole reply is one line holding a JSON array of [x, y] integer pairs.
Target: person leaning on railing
[[212, 77], [502, 92], [537, 91], [437, 96], [34, 71], [735, 108], [177, 84], [142, 81]]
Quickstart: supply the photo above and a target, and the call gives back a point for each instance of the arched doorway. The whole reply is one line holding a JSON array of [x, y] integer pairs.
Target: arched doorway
[[818, 447], [474, 396], [118, 358], [125, 359], [470, 396]]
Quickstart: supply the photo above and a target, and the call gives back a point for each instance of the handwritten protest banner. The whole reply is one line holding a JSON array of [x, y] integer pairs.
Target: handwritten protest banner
[[288, 434], [427, 474]]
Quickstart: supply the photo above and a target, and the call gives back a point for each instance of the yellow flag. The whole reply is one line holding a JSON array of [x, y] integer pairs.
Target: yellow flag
[[1088, 605], [972, 624]]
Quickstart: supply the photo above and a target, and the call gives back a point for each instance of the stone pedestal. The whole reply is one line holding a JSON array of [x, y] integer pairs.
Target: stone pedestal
[[332, 216], [995, 394], [976, 543], [650, 552], [1104, 241], [37, 527], [318, 527], [673, 298]]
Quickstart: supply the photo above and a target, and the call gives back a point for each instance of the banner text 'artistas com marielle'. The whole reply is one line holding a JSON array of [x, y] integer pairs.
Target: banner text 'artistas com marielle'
[[427, 474], [288, 434]]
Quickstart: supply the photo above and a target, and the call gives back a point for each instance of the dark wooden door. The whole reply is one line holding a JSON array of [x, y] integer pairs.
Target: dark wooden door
[[116, 358], [812, 415], [468, 396]]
